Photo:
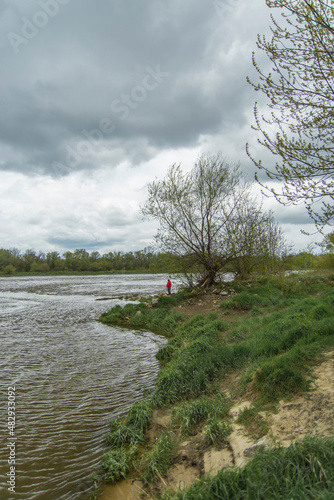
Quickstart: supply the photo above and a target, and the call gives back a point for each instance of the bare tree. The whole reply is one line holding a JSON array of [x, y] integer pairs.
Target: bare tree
[[207, 215]]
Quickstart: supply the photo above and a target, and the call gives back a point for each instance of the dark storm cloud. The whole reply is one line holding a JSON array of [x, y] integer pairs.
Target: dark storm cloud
[[89, 90], [83, 76]]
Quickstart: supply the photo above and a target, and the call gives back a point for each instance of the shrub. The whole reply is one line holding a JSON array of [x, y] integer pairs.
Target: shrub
[[10, 269]]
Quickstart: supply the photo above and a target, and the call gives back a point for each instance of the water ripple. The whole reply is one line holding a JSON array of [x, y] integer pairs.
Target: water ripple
[[72, 374]]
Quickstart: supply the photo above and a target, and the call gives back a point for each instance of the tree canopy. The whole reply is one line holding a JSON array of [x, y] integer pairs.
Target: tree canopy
[[299, 90], [209, 216]]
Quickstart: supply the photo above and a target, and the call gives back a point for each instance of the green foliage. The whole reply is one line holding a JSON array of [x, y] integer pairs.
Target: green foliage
[[193, 210], [189, 414], [142, 261], [273, 349], [80, 261], [298, 87], [124, 435], [130, 431], [173, 300], [159, 458], [139, 415], [10, 269], [276, 293], [166, 352], [281, 344], [243, 300], [195, 361], [216, 431], [302, 471], [119, 314], [160, 320], [285, 375], [116, 464], [200, 325]]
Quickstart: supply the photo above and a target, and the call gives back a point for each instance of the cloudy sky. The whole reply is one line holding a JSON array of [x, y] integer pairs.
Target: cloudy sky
[[100, 98]]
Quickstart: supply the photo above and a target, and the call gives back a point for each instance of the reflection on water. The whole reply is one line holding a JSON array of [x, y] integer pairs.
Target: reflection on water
[[71, 374]]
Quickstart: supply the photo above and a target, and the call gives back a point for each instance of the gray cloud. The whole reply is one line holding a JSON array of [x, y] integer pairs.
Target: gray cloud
[[151, 70], [98, 98]]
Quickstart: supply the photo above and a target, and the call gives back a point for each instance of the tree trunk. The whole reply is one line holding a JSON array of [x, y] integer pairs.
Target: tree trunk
[[208, 279]]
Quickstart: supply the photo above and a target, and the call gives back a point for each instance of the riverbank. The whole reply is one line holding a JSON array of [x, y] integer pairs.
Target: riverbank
[[248, 366]]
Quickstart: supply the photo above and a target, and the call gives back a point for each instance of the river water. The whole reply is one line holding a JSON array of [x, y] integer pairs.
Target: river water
[[71, 375]]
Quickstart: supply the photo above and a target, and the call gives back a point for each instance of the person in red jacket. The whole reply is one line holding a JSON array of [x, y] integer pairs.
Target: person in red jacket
[[169, 286]]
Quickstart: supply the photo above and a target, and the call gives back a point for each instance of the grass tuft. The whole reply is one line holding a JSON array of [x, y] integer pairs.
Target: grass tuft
[[116, 464], [190, 414], [216, 431], [159, 458]]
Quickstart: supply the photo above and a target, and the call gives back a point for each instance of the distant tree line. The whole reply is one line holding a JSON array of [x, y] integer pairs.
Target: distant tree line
[[147, 260], [14, 260]]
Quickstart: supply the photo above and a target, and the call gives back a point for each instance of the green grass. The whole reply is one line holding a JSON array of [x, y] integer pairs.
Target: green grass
[[140, 315], [254, 423], [159, 459], [216, 431], [116, 464], [195, 360], [278, 331], [284, 333], [131, 430], [189, 414], [139, 415], [302, 471]]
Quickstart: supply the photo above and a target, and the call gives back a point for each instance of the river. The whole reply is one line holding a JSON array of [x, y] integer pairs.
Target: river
[[71, 375]]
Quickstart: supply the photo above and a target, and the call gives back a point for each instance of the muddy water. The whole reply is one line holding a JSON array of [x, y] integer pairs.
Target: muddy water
[[71, 375]]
